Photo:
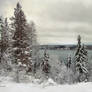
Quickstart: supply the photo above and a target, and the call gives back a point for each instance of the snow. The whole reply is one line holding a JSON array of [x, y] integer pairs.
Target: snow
[[32, 87], [26, 52], [15, 48], [13, 87]]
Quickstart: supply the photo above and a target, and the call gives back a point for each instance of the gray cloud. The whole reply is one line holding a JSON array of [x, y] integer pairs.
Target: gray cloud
[[70, 12], [57, 21]]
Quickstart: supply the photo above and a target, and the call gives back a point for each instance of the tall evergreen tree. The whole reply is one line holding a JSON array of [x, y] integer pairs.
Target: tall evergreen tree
[[21, 45], [4, 35], [0, 36], [45, 64], [81, 63], [78, 45], [4, 39]]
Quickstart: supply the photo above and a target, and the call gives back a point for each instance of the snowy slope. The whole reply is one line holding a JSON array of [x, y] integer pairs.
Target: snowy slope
[[29, 87]]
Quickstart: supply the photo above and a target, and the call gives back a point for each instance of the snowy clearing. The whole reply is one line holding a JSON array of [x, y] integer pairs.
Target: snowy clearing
[[45, 87]]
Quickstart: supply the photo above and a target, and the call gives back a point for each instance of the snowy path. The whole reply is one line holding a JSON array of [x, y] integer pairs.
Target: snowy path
[[13, 87]]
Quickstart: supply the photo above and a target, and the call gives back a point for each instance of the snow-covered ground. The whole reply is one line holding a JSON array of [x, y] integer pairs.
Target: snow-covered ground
[[45, 87]]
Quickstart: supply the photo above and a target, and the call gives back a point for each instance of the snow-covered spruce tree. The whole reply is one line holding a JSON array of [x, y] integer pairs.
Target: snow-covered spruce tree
[[21, 45], [81, 59], [69, 60], [4, 36], [78, 45], [5, 56], [1, 25], [45, 64], [0, 36]]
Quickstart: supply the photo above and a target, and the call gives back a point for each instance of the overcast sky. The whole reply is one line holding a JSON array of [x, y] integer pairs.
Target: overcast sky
[[57, 21]]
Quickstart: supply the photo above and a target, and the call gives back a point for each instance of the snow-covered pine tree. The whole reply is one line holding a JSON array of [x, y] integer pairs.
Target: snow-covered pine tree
[[81, 59], [5, 58], [69, 60], [78, 45], [4, 36], [0, 36], [45, 64], [21, 45]]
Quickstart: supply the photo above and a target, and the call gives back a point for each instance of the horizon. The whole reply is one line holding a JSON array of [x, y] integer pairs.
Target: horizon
[[63, 44]]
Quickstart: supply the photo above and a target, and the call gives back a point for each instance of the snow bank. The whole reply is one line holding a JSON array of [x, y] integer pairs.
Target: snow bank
[[29, 87]]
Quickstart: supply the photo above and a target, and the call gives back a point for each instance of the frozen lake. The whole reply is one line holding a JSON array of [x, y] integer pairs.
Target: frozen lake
[[63, 54]]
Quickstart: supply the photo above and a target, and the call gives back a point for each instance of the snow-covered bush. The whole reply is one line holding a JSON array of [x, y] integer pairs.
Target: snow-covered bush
[[45, 66], [65, 75], [19, 73], [55, 66]]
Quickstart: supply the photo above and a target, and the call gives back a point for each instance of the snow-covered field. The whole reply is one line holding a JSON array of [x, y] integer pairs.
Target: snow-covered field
[[13, 87], [45, 87]]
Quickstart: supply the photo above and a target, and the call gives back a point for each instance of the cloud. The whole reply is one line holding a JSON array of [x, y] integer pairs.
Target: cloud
[[57, 21], [70, 12]]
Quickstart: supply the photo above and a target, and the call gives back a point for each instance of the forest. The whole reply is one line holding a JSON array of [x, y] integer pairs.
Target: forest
[[20, 57]]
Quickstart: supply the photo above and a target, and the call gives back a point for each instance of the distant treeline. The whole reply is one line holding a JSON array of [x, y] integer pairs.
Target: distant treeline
[[64, 47]]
